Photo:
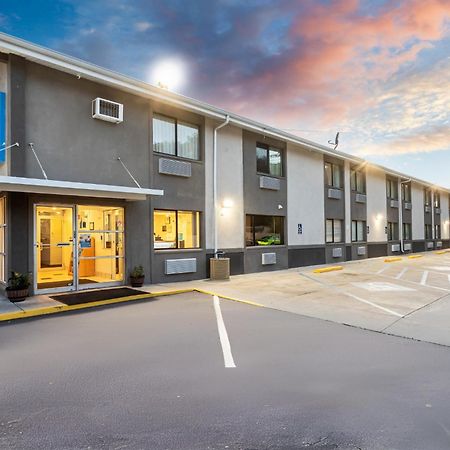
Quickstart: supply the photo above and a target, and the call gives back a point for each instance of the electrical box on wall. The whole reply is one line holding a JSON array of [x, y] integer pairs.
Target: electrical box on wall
[[107, 110]]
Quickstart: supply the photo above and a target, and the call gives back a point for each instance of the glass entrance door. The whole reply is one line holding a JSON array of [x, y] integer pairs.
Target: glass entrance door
[[54, 258]]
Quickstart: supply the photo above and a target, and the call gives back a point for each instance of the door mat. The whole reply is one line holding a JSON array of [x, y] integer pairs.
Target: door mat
[[77, 298], [61, 283]]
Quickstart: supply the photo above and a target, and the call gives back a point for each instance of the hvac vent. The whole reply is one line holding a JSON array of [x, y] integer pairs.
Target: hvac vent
[[427, 209], [408, 205], [107, 110], [439, 244], [430, 245], [407, 247], [174, 167], [335, 194], [394, 203], [268, 259], [361, 251], [437, 210], [269, 183], [360, 198], [337, 252], [395, 247], [185, 265]]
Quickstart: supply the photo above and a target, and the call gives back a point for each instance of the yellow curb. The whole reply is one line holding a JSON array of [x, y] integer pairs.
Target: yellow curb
[[328, 269], [414, 256], [393, 259], [441, 252], [233, 299]]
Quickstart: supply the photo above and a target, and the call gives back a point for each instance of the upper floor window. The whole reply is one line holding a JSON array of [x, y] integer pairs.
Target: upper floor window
[[333, 230], [427, 197], [358, 181], [175, 137], [392, 231], [392, 189], [176, 229], [333, 175], [269, 160], [406, 192], [437, 200], [264, 230]]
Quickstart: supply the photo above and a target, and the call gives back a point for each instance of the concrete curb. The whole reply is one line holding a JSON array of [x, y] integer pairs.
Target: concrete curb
[[328, 269]]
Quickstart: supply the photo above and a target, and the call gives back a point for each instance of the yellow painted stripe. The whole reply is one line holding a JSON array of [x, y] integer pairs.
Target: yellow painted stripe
[[441, 252], [397, 258], [226, 297], [414, 256], [328, 269]]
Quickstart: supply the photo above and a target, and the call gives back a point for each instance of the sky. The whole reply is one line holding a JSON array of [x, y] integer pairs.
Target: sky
[[377, 71]]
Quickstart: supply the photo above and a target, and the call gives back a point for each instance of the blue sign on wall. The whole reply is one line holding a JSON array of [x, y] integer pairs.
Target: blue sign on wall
[[2, 127]]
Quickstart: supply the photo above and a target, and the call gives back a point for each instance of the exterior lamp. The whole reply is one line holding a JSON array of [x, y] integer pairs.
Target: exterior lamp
[[226, 205]]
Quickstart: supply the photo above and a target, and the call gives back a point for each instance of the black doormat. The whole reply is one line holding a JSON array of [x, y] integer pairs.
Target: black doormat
[[62, 283], [77, 298]]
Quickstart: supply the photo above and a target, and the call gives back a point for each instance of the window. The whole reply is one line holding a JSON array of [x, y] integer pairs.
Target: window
[[392, 230], [392, 189], [174, 137], [437, 200], [358, 181], [428, 231], [437, 232], [407, 235], [358, 227], [333, 230], [333, 176], [176, 229], [2, 239], [406, 192], [427, 197], [264, 230], [269, 160]]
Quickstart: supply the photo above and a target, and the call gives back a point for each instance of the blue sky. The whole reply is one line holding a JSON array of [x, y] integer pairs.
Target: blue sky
[[377, 71]]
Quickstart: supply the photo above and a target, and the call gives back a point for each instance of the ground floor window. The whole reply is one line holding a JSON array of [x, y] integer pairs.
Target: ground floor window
[[264, 230], [176, 229], [437, 232], [333, 230], [392, 231], [407, 235], [358, 227], [2, 239], [428, 231]]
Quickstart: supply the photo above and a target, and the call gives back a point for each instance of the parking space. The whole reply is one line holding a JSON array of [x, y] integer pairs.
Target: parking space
[[153, 374]]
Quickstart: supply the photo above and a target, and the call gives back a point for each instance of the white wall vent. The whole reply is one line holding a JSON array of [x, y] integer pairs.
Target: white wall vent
[[335, 194], [107, 110], [337, 252], [439, 244], [408, 205], [427, 209], [185, 265], [395, 247], [174, 167], [269, 183], [394, 203], [360, 198], [437, 210], [268, 259], [430, 245], [361, 251], [407, 247]]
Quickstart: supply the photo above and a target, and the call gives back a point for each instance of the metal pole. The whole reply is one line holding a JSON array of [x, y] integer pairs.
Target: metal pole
[[37, 159], [128, 172]]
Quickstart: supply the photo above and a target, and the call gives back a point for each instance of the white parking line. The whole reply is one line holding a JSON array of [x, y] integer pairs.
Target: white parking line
[[401, 273], [223, 335], [423, 281], [382, 270], [449, 278]]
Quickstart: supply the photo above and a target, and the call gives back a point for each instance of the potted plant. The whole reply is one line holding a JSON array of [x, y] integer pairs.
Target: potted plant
[[18, 284], [137, 276]]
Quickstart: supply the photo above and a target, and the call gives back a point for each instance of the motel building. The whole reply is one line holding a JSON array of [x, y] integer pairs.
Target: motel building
[[110, 172]]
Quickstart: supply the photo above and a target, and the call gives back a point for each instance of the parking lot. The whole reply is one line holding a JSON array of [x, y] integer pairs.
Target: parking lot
[[196, 372]]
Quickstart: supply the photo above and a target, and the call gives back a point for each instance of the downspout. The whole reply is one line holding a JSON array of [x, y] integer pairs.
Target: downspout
[[215, 208], [400, 215]]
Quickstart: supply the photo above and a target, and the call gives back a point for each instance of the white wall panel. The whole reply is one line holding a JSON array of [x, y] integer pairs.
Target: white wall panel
[[376, 205], [445, 216], [418, 219]]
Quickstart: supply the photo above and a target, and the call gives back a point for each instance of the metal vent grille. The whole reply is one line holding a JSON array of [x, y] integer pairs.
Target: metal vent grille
[[268, 258], [269, 183], [174, 167], [439, 244], [361, 251], [430, 245], [395, 247], [107, 110], [427, 209], [337, 252], [360, 198], [185, 265], [335, 194], [407, 247], [394, 203], [437, 210]]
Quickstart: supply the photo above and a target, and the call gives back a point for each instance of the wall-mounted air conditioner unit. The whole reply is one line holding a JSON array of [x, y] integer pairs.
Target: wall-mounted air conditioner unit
[[407, 247], [107, 110]]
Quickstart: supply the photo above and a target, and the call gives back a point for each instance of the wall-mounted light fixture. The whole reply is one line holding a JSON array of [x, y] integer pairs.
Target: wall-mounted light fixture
[[280, 206], [227, 204]]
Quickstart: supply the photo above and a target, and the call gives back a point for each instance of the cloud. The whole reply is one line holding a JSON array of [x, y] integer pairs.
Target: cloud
[[142, 26]]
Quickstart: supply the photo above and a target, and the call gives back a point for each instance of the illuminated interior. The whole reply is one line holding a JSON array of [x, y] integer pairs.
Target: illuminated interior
[[176, 229]]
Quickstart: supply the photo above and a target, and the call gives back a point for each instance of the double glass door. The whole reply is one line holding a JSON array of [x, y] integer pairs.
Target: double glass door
[[78, 247]]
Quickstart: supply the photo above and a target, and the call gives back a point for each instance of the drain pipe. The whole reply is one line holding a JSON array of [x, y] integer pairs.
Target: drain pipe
[[215, 208], [400, 215]]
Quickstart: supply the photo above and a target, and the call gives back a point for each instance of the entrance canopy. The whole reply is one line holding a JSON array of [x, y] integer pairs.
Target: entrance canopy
[[41, 186]]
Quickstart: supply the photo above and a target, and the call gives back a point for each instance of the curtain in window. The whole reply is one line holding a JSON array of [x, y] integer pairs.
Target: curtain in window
[[275, 162], [164, 135], [187, 140]]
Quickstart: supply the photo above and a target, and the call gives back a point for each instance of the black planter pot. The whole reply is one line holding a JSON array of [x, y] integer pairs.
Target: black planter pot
[[137, 281], [17, 295]]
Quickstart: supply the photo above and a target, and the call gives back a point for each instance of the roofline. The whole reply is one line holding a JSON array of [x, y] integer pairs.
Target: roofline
[[83, 69]]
